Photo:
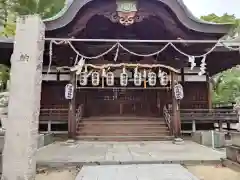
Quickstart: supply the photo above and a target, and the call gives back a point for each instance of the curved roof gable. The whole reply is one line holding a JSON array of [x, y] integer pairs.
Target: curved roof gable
[[72, 7]]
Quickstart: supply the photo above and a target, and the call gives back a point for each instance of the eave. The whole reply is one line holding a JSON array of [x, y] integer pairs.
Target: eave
[[71, 9]]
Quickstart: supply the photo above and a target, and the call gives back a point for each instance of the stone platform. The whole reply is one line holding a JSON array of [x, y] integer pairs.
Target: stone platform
[[136, 172], [113, 153]]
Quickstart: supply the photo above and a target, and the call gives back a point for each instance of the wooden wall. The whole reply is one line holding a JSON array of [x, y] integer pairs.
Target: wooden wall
[[195, 95], [53, 94]]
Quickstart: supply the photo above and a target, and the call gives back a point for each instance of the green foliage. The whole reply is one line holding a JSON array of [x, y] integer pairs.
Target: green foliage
[[9, 9], [3, 12], [225, 18], [45, 8], [4, 76], [227, 84]]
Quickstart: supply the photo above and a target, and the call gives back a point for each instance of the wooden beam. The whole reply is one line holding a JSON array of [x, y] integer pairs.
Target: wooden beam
[[176, 121], [72, 109], [182, 75]]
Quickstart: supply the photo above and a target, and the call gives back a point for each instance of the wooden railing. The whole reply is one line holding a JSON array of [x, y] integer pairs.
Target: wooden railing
[[224, 115], [213, 115], [167, 117], [79, 113], [55, 114]]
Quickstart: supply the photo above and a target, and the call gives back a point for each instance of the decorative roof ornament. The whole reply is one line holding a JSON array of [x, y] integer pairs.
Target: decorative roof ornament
[[126, 11]]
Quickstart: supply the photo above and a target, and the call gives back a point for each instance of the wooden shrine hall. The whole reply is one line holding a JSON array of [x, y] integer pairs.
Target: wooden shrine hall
[[130, 70]]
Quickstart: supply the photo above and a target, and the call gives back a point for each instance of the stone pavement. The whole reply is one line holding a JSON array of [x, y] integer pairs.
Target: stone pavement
[[135, 172], [111, 153]]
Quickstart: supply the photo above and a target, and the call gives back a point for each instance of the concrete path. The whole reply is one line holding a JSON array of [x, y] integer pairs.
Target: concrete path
[[135, 172], [125, 153]]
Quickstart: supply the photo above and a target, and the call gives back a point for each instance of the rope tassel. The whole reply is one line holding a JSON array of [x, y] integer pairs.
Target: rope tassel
[[203, 66], [117, 52], [191, 59]]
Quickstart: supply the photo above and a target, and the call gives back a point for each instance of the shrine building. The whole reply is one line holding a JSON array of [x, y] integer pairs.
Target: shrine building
[[130, 70]]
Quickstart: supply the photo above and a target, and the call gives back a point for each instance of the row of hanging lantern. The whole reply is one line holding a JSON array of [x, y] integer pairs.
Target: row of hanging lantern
[[138, 78]]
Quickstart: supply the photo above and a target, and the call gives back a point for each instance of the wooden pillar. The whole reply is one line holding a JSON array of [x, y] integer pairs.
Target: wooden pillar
[[182, 75], [193, 126], [72, 109], [176, 122], [209, 87]]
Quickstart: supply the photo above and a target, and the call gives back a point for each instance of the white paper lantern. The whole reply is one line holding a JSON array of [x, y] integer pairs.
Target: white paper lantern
[[124, 78], [163, 78], [152, 79], [110, 78], [95, 79], [137, 79], [69, 90], [83, 78], [178, 91]]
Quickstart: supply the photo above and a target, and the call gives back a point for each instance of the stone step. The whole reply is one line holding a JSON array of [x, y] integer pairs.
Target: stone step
[[123, 118], [122, 123], [125, 138]]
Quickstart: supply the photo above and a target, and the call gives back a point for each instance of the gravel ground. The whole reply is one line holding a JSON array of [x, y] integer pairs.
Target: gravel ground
[[57, 174], [214, 173]]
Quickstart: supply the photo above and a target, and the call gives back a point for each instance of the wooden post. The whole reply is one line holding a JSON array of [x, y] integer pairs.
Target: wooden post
[[72, 109], [193, 126], [220, 124], [176, 122], [209, 87]]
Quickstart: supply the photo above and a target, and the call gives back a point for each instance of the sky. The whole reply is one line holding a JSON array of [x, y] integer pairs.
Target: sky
[[219, 7]]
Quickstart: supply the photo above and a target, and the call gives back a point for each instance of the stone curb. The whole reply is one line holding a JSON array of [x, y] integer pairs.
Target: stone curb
[[70, 164]]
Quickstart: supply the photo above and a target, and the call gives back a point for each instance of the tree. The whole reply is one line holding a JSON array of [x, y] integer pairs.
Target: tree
[[4, 76], [227, 84], [225, 18], [7, 27], [45, 8], [9, 9]]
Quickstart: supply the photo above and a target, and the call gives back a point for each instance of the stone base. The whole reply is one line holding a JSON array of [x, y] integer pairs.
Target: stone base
[[235, 137], [178, 141], [44, 140], [233, 153], [205, 138]]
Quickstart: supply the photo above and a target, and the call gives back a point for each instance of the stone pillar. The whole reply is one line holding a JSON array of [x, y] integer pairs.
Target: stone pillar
[[19, 155]]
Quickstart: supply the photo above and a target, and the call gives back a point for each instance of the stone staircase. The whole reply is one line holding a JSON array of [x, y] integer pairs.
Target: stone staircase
[[123, 129]]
